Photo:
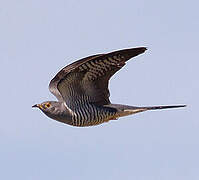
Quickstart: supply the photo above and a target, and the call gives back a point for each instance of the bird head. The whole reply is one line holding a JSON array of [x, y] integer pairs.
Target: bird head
[[55, 110], [50, 108]]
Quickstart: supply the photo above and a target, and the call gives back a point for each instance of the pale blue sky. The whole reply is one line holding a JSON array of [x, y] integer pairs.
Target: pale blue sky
[[39, 37]]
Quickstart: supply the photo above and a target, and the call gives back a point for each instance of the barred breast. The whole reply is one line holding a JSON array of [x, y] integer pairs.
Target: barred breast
[[90, 115]]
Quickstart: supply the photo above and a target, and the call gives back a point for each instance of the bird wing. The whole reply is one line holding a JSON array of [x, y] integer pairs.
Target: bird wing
[[86, 80], [62, 74]]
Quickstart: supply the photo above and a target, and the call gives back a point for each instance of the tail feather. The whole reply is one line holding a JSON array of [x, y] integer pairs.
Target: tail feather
[[134, 110], [125, 110], [163, 107]]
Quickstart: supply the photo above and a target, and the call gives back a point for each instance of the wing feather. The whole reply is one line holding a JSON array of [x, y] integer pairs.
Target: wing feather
[[87, 80], [62, 74]]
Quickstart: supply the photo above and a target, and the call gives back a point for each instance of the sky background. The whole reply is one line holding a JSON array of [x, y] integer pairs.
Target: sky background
[[39, 37]]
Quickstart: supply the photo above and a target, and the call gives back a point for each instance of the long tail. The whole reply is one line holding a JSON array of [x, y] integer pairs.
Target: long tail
[[162, 107], [125, 110]]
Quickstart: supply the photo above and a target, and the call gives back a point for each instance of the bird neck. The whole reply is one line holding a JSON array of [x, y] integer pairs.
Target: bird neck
[[64, 115]]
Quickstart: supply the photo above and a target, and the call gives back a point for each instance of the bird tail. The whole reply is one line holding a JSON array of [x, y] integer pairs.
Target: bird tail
[[124, 110], [161, 107]]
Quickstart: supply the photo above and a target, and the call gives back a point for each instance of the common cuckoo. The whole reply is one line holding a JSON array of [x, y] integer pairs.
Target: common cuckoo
[[82, 91]]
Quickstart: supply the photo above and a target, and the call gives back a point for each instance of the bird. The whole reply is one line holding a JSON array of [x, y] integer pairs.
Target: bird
[[81, 89]]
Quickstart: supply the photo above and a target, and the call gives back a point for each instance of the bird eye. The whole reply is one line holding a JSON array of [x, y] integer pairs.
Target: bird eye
[[47, 105]]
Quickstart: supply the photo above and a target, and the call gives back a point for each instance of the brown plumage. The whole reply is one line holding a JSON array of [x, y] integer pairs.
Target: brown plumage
[[94, 72]]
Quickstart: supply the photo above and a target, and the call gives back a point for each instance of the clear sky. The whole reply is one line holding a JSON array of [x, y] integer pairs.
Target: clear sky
[[39, 37]]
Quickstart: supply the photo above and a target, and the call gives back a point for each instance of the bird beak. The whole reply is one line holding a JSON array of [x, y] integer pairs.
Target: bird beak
[[36, 106]]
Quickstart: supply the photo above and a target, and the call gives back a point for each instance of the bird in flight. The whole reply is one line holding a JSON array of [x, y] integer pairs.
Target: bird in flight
[[82, 91]]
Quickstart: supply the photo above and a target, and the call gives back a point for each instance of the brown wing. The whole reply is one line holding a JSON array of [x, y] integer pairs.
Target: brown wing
[[63, 73], [86, 80]]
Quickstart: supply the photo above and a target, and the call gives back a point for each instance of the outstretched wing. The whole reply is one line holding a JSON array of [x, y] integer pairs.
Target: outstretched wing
[[62, 74], [86, 80]]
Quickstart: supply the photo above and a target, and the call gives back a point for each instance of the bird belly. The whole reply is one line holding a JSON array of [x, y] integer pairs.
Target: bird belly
[[91, 115]]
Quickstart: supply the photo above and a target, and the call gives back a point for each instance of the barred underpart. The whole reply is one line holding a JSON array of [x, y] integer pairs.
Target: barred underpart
[[90, 115]]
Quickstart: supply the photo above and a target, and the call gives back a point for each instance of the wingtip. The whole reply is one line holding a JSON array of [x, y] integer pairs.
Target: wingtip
[[142, 49], [145, 48]]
